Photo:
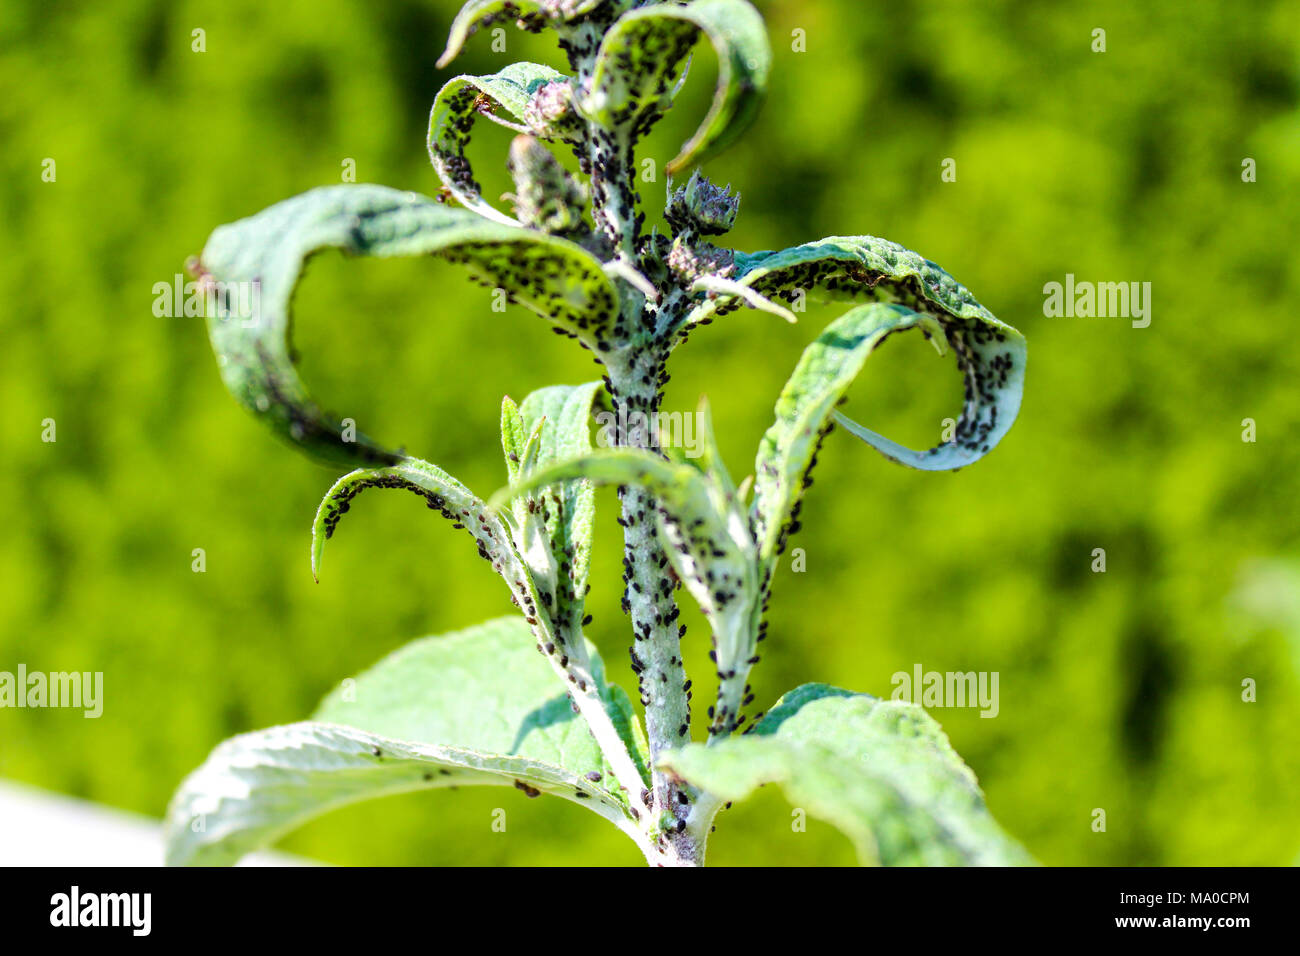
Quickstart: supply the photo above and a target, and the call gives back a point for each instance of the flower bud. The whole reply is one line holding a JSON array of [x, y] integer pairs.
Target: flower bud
[[702, 207]]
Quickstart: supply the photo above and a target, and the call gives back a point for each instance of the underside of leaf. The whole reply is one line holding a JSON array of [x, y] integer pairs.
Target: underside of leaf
[[441, 492], [824, 373], [643, 51], [527, 13], [550, 276]]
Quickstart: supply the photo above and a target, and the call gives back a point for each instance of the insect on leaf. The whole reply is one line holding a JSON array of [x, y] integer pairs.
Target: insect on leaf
[[458, 104], [911, 292], [803, 411], [548, 275], [479, 13], [441, 492], [563, 415], [709, 547], [642, 52], [991, 355]]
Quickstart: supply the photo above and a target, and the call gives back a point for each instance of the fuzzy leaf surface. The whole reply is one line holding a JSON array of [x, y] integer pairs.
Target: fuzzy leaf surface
[[474, 707]]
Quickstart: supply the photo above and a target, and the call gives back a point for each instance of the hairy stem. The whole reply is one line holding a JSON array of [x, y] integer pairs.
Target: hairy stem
[[650, 602], [635, 381]]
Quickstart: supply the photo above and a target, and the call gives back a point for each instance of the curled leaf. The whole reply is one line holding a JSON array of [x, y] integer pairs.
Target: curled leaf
[[441, 492], [560, 416], [458, 104], [719, 285], [707, 540], [266, 252], [991, 355], [540, 583], [824, 373], [642, 52], [528, 13]]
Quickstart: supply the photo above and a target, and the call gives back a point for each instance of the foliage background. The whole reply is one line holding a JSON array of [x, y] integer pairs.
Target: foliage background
[[1118, 690]]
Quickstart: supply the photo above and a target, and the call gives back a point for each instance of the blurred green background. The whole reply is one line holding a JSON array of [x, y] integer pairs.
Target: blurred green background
[[1119, 691]]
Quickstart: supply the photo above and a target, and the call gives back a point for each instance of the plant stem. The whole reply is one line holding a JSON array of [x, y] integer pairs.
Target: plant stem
[[649, 601], [636, 374]]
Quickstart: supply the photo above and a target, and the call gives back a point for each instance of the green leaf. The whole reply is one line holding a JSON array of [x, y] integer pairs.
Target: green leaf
[[524, 559], [495, 665], [563, 415], [883, 772], [643, 50], [532, 13], [854, 268], [803, 411], [514, 438], [460, 101], [567, 410], [550, 276], [473, 707], [526, 570], [441, 492], [990, 354], [684, 494]]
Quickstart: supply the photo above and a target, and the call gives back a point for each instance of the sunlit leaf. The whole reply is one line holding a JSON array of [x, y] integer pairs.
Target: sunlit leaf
[[568, 511], [523, 557], [911, 291], [514, 438], [441, 492], [803, 413], [883, 772], [475, 707], [991, 355]]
